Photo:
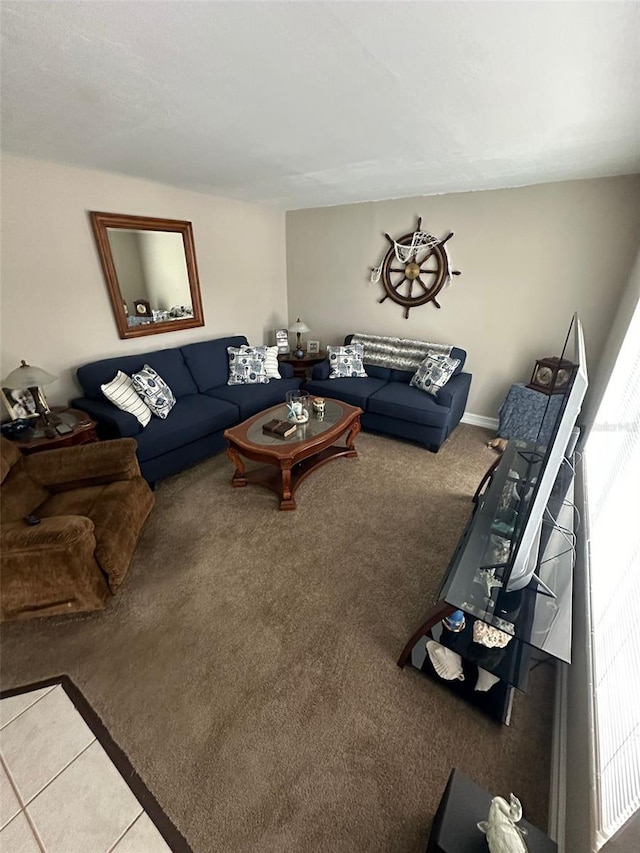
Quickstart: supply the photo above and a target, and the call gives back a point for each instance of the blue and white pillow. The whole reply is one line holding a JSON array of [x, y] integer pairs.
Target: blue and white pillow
[[247, 366], [154, 391], [434, 372], [346, 362], [270, 362]]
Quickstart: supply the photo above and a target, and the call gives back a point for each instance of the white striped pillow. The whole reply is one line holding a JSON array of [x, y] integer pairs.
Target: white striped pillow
[[121, 392], [270, 360]]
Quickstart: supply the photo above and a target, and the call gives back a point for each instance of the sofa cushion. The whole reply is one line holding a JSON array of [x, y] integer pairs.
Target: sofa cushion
[[253, 398], [407, 375], [190, 419], [354, 391], [377, 372], [247, 366], [434, 373], [122, 393], [208, 361], [169, 363], [118, 511], [397, 400], [346, 361], [154, 391], [21, 493]]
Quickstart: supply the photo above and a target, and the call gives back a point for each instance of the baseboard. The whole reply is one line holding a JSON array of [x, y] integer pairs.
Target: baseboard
[[558, 781], [479, 420]]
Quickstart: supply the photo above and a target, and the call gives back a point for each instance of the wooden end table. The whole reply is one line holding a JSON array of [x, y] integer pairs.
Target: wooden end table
[[83, 431], [300, 365], [287, 461]]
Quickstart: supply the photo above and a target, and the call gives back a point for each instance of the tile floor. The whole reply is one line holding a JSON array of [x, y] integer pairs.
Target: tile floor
[[59, 790]]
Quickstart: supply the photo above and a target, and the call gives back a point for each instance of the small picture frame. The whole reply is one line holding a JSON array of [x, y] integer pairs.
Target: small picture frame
[[19, 403], [282, 341], [313, 347]]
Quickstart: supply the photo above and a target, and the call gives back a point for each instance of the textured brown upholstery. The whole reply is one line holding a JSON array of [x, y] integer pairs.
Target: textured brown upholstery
[[92, 503]]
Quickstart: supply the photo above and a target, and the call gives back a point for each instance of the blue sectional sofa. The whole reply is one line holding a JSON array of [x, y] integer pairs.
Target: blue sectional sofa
[[392, 406], [205, 405]]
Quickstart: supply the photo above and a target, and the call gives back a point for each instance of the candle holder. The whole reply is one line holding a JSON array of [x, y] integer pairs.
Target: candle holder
[[297, 406]]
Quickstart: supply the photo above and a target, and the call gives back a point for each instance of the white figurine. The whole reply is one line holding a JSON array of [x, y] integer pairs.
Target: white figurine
[[297, 412], [503, 836]]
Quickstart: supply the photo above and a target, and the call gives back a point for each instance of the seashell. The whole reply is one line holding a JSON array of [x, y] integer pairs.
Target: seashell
[[446, 663], [486, 680]]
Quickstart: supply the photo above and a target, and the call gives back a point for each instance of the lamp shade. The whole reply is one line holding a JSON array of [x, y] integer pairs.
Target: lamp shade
[[299, 327], [28, 376]]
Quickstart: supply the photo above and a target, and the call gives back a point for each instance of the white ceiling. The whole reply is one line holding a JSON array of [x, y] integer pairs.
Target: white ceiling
[[304, 104]]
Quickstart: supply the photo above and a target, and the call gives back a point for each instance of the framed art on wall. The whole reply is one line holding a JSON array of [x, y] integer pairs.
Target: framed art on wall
[[313, 347]]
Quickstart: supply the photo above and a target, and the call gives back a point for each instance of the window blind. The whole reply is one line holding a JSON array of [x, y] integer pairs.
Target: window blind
[[612, 476]]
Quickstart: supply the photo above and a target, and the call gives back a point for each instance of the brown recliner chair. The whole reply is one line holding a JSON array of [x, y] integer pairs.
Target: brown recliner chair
[[92, 504]]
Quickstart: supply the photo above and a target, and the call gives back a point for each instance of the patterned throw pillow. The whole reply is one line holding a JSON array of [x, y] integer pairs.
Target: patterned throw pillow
[[247, 366], [154, 391], [270, 362], [122, 393], [346, 361], [434, 372]]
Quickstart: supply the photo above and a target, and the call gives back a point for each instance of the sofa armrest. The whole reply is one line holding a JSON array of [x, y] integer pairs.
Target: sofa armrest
[[285, 369], [85, 465], [57, 531], [116, 423], [455, 392], [321, 371]]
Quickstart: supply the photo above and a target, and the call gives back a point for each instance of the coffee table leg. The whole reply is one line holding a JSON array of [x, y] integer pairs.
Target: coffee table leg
[[351, 437], [238, 478], [286, 501]]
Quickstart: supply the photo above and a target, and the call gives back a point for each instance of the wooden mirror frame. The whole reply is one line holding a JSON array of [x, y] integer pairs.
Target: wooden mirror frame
[[100, 222]]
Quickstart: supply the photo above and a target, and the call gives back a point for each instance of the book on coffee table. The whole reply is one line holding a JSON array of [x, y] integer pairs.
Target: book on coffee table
[[279, 428]]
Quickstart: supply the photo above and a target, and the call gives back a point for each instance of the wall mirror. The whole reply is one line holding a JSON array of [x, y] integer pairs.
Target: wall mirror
[[151, 273]]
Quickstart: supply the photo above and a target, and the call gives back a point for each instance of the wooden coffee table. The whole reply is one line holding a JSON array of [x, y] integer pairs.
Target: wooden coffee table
[[289, 460]]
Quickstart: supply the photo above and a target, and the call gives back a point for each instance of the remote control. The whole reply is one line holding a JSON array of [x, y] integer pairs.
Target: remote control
[[32, 519]]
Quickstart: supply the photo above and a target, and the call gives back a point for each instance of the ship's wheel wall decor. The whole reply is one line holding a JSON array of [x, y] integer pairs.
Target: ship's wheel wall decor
[[415, 269]]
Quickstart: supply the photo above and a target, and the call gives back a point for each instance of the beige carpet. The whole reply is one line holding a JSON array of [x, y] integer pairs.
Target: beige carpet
[[248, 666]]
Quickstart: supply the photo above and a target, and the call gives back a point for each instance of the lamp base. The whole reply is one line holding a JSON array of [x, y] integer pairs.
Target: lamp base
[[47, 420], [299, 353]]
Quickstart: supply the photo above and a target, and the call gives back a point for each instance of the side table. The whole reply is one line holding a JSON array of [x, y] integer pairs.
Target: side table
[[463, 804], [526, 412], [83, 431], [300, 365]]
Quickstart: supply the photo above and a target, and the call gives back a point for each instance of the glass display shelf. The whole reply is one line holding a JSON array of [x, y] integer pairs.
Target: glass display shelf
[[536, 617], [477, 579]]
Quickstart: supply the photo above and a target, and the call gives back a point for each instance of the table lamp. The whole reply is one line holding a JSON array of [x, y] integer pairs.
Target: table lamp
[[299, 328], [32, 378]]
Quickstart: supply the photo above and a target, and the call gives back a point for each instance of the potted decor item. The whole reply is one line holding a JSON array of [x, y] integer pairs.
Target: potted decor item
[[297, 406]]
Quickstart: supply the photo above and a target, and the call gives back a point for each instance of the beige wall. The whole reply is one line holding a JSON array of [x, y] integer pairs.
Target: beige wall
[[529, 258], [55, 309]]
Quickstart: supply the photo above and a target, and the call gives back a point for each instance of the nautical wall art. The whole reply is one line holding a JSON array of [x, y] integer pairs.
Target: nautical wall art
[[415, 269]]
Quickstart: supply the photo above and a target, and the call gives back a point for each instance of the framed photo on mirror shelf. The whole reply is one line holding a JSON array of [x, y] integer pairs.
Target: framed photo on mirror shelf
[[313, 347]]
